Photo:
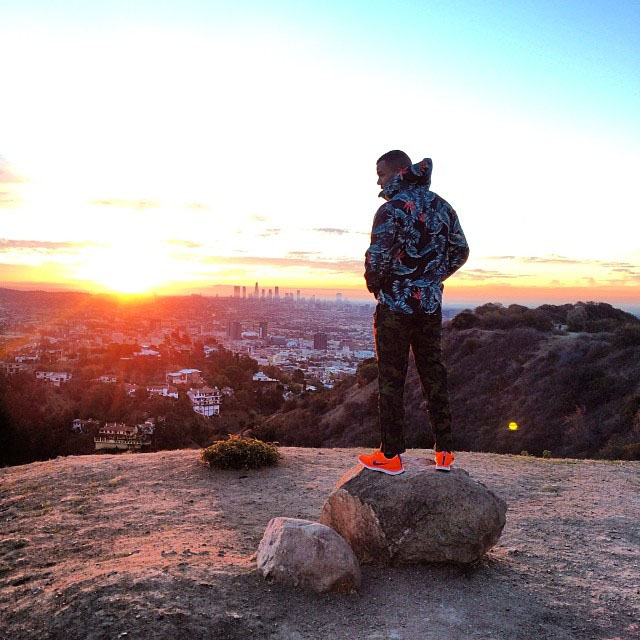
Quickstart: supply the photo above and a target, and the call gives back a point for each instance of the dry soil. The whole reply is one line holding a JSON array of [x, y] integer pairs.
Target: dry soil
[[157, 546]]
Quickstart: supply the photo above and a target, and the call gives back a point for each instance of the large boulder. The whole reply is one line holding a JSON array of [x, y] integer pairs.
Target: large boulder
[[307, 554], [420, 516]]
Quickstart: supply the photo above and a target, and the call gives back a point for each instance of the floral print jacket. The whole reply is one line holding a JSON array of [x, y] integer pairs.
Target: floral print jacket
[[416, 243]]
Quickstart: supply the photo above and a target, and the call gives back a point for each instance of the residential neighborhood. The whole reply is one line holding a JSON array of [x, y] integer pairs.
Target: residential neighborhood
[[229, 361]]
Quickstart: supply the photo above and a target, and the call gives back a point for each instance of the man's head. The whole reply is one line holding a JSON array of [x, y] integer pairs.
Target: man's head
[[389, 164]]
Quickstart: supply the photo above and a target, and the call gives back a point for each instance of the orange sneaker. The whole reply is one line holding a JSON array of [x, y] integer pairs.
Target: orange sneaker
[[377, 461], [444, 460]]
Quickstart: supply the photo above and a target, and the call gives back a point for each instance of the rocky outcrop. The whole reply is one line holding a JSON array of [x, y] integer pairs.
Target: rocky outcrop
[[307, 554], [420, 516]]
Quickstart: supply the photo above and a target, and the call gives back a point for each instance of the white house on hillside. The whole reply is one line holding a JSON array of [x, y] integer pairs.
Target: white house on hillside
[[260, 376], [53, 377], [205, 401], [165, 390], [116, 435]]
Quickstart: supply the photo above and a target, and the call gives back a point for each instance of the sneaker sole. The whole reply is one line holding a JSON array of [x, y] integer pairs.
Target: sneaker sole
[[440, 468], [389, 473]]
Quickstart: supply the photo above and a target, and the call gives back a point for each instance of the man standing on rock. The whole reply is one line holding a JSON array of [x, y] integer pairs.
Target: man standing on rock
[[416, 243]]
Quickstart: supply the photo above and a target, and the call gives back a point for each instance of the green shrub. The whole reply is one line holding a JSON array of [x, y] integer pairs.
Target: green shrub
[[546, 453], [367, 372], [525, 453], [238, 452]]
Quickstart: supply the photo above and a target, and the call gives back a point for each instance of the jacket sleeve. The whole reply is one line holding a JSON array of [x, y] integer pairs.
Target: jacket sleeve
[[458, 249], [378, 257]]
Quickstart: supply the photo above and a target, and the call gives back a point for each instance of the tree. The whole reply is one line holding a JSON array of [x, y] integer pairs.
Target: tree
[[464, 320], [367, 371], [298, 376]]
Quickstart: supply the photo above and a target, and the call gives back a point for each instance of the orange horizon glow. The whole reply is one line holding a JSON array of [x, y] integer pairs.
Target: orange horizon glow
[[140, 265], [455, 294]]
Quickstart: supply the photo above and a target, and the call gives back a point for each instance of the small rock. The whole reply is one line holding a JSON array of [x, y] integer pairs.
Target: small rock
[[307, 554]]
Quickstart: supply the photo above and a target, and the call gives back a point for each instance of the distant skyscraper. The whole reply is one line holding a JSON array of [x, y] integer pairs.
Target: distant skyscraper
[[256, 291], [244, 293], [339, 297], [270, 295], [234, 330], [236, 292], [262, 330], [263, 294], [320, 341], [298, 295], [277, 292]]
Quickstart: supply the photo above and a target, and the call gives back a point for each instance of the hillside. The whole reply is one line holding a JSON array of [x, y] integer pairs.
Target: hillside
[[573, 394], [157, 546]]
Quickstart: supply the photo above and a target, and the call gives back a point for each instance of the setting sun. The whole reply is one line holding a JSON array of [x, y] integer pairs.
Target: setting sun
[[128, 267]]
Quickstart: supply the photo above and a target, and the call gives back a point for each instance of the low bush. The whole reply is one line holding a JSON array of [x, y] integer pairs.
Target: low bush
[[238, 452]]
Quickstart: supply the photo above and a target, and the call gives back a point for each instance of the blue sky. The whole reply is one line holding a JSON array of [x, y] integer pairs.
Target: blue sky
[[529, 110]]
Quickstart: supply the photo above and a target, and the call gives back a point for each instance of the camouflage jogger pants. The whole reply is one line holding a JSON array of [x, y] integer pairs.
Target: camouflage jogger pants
[[395, 333]]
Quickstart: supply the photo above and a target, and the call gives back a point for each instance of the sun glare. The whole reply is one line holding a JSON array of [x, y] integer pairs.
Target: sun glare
[[128, 267]]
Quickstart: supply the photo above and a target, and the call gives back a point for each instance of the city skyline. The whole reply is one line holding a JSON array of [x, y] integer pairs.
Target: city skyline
[[201, 147]]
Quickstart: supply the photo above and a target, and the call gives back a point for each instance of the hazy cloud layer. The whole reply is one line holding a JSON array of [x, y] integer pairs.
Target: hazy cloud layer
[[41, 245], [556, 259], [337, 266]]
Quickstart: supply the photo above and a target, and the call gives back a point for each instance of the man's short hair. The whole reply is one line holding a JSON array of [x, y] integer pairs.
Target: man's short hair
[[395, 160]]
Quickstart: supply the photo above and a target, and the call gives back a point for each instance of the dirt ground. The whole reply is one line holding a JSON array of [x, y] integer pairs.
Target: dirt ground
[[157, 546]]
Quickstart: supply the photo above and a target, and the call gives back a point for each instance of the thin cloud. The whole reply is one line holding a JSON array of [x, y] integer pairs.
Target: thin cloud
[[268, 232], [623, 270], [486, 274], [301, 254], [186, 243], [122, 203], [41, 245], [331, 230], [557, 259]]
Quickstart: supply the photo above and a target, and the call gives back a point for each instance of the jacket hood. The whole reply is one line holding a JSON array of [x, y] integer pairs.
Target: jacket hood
[[417, 175]]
